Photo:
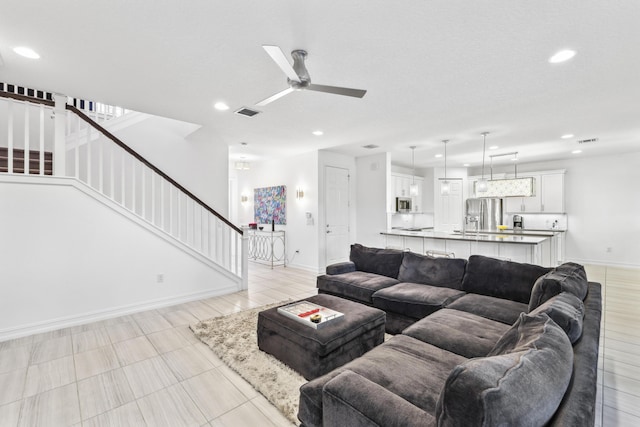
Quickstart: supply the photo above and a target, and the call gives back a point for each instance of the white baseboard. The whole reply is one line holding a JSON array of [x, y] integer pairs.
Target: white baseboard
[[90, 317], [603, 263]]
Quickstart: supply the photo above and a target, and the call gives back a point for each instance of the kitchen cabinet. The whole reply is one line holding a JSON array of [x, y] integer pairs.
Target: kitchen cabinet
[[460, 249], [402, 184], [548, 198], [552, 193], [438, 245], [414, 244]]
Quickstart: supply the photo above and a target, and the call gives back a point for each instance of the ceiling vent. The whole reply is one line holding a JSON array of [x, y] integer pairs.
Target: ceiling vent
[[587, 141], [370, 146], [247, 112]]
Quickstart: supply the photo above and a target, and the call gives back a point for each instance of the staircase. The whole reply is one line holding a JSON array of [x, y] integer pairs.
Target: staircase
[[68, 137]]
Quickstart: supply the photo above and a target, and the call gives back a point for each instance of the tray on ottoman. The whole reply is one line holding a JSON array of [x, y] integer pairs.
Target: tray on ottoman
[[314, 352]]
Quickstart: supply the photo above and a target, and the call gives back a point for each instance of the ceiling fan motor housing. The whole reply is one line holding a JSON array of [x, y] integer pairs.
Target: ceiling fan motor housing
[[301, 70]]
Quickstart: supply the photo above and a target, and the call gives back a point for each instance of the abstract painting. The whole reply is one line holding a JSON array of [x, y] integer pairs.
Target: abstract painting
[[270, 203]]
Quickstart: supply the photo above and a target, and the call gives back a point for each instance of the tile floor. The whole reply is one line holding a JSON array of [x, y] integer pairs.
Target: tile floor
[[142, 369], [149, 369]]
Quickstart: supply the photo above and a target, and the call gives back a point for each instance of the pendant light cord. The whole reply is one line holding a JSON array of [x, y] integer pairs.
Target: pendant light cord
[[484, 144], [445, 158]]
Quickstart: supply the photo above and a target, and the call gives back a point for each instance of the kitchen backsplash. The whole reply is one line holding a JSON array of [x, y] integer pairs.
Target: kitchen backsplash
[[411, 220], [541, 221]]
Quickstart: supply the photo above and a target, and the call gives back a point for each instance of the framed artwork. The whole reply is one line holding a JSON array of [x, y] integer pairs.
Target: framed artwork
[[270, 203]]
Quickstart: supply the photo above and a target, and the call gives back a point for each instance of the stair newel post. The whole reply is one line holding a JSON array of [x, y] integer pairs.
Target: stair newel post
[[59, 138], [244, 254]]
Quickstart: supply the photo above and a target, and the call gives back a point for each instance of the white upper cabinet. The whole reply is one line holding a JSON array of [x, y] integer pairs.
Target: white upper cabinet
[[552, 193], [402, 183], [549, 197]]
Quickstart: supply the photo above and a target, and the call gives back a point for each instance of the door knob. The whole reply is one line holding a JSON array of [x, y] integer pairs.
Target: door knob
[[328, 231]]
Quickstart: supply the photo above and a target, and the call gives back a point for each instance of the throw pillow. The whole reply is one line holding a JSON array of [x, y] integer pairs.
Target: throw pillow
[[568, 277], [567, 311]]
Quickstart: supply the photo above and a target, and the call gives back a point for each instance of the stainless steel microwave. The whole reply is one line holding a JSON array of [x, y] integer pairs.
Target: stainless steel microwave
[[403, 204]]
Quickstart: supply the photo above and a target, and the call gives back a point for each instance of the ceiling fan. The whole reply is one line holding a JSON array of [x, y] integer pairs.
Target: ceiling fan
[[298, 76]]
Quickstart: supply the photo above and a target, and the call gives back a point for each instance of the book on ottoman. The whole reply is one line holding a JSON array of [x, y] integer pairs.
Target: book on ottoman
[[310, 314]]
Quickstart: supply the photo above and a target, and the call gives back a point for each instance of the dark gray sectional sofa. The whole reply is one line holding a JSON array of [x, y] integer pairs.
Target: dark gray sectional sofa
[[482, 342]]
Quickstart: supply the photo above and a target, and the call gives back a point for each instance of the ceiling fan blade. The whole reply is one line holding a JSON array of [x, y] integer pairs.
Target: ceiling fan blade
[[274, 97], [278, 56], [356, 93]]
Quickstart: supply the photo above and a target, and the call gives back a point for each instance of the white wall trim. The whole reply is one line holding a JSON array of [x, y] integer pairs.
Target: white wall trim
[[89, 317], [604, 263]]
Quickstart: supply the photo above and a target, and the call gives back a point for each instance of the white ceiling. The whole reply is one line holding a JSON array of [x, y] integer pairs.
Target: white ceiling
[[433, 70]]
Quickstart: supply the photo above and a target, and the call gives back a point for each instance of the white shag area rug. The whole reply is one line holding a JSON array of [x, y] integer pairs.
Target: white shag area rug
[[233, 338]]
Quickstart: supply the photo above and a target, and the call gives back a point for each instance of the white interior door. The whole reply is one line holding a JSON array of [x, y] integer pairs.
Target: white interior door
[[336, 214], [451, 207]]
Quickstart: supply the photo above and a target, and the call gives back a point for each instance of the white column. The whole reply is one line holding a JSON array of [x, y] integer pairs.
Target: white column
[[59, 139]]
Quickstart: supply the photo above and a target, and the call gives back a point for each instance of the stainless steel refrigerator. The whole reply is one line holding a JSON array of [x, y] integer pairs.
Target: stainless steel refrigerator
[[483, 214]]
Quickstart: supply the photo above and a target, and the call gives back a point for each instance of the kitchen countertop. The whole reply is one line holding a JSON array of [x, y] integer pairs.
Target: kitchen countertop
[[472, 237], [524, 232]]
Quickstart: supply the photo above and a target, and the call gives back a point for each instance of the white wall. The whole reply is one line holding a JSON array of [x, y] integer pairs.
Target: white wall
[[67, 258], [198, 161], [373, 176], [299, 171], [602, 200]]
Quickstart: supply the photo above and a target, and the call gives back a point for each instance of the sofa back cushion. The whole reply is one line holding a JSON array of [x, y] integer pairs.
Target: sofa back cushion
[[521, 385], [385, 262], [568, 277], [501, 279], [443, 272], [567, 311]]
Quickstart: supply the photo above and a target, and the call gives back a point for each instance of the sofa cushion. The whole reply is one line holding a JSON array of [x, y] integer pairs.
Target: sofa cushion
[[378, 261], [568, 277], [357, 285], [409, 368], [414, 299], [459, 332], [521, 384], [498, 309], [352, 400], [501, 279], [567, 311], [445, 272]]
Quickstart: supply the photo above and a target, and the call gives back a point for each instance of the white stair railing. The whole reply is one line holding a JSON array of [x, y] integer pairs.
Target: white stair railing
[[97, 158]]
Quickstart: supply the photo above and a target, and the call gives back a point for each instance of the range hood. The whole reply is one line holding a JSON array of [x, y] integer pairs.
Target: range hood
[[515, 187]]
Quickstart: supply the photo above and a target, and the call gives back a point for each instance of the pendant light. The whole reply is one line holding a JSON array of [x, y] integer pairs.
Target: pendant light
[[481, 184], [445, 188], [413, 188]]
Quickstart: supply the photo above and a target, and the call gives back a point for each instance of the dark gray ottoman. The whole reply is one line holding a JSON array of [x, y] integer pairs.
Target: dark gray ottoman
[[314, 352]]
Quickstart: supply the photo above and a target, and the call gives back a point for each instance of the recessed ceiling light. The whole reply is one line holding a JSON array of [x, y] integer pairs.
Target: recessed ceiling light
[[493, 147], [467, 165], [576, 152], [317, 133], [27, 52], [567, 136], [561, 56], [220, 106], [438, 156]]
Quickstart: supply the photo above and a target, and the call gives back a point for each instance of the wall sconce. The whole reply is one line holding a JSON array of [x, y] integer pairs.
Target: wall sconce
[[244, 199], [299, 194]]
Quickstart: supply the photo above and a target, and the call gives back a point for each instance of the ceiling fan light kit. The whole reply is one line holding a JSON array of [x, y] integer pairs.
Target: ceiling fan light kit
[[298, 77]]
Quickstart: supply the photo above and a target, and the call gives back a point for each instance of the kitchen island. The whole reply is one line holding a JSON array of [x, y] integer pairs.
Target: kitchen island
[[519, 247]]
